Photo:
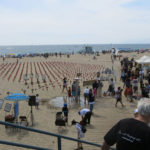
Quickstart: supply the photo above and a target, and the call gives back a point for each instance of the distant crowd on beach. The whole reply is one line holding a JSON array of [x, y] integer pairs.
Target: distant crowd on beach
[[68, 54], [45, 55]]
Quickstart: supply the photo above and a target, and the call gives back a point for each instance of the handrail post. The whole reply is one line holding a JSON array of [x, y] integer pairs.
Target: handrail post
[[59, 142]]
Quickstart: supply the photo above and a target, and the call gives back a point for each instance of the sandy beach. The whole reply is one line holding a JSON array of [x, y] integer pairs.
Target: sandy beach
[[55, 69]]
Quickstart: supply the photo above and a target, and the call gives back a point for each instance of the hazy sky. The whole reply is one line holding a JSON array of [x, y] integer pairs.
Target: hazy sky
[[74, 21]]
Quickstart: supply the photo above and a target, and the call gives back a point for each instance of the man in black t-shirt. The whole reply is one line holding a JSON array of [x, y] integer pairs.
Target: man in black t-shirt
[[131, 133]]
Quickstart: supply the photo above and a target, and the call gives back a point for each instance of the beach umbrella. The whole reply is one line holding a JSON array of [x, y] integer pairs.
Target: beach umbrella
[[15, 97]]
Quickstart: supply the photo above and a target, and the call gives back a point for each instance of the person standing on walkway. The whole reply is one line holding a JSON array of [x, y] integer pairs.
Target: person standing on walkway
[[73, 90], [119, 96], [37, 100], [91, 100], [99, 89], [64, 84], [86, 95], [80, 134]]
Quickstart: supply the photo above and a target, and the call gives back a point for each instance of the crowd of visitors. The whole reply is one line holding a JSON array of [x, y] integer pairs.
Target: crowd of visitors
[[136, 82], [135, 86]]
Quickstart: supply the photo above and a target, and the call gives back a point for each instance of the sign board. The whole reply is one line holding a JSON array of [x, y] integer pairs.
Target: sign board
[[7, 107], [89, 82], [1, 103]]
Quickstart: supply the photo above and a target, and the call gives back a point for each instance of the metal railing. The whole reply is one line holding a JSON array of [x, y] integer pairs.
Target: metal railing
[[59, 137]]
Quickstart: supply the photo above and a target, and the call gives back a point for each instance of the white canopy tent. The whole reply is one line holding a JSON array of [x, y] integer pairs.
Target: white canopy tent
[[144, 60]]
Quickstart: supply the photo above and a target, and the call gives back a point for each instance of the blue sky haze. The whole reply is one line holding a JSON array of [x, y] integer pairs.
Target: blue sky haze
[[74, 21]]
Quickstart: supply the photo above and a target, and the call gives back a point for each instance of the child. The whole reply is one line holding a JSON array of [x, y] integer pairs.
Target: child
[[64, 84], [69, 94], [65, 111], [119, 96]]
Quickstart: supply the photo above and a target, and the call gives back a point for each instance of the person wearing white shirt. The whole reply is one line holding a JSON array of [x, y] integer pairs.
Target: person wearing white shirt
[[37, 100], [80, 134], [86, 93], [86, 115]]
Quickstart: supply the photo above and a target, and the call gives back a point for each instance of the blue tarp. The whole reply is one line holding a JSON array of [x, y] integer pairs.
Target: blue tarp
[[124, 49], [20, 55]]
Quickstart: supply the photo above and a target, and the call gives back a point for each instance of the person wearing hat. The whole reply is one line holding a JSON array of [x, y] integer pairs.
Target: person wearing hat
[[86, 115], [65, 111]]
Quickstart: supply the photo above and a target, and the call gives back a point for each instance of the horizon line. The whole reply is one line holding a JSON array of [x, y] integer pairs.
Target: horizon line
[[75, 44]]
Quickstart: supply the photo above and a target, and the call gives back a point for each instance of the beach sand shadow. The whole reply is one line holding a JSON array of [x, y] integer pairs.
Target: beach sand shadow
[[90, 126], [96, 115], [62, 130], [11, 132], [22, 134]]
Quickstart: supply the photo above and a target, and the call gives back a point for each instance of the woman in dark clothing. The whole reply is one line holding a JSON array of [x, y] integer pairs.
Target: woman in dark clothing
[[91, 100], [144, 92]]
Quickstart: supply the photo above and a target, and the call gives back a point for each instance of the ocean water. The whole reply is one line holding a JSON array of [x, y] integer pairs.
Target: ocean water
[[27, 49]]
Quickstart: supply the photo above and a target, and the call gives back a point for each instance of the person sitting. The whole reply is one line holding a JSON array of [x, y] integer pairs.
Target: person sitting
[[110, 90]]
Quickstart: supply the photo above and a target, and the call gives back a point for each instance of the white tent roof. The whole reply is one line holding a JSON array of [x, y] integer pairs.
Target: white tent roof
[[144, 60]]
